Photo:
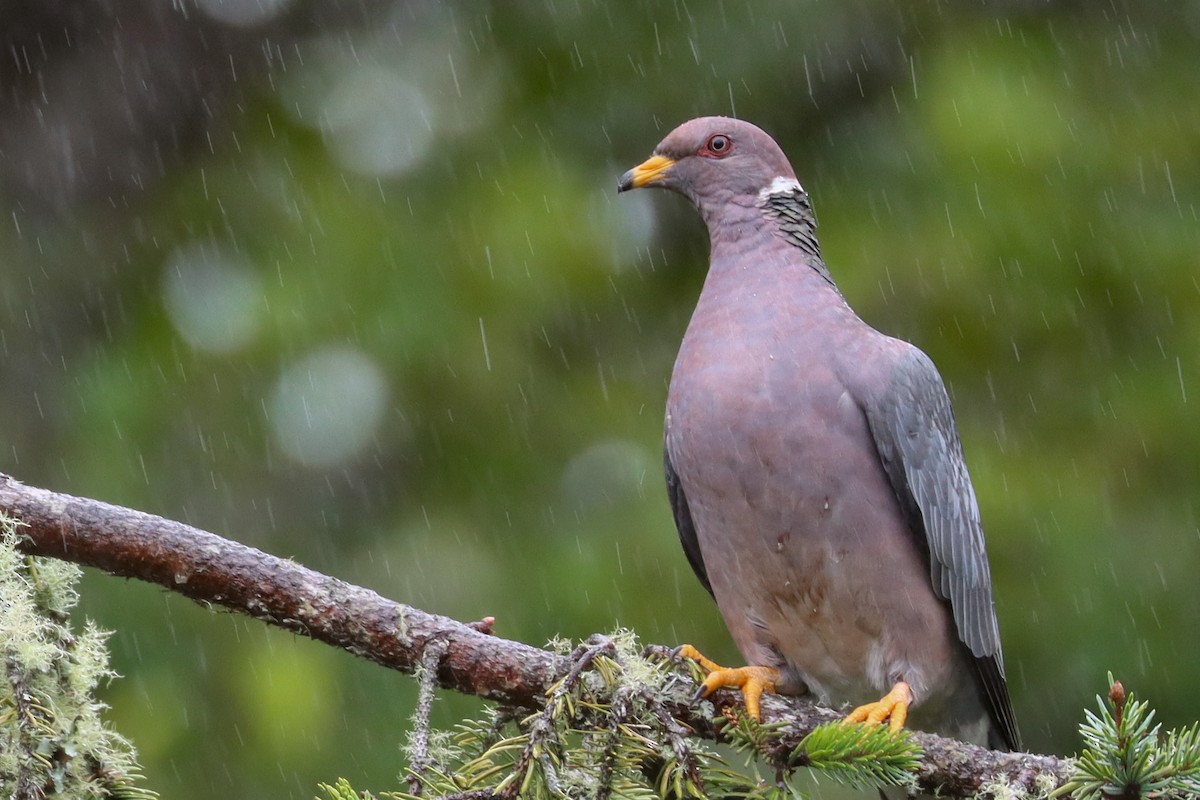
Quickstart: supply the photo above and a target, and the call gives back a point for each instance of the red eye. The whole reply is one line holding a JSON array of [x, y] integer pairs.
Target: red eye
[[718, 146]]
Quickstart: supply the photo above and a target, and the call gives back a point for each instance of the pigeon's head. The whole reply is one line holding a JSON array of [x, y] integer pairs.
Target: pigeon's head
[[714, 161]]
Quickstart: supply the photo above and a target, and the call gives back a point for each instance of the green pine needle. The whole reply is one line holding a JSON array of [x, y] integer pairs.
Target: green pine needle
[[862, 756], [342, 790], [1126, 755], [748, 735]]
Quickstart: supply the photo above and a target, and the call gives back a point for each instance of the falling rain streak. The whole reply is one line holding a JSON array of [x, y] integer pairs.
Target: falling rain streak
[[487, 358]]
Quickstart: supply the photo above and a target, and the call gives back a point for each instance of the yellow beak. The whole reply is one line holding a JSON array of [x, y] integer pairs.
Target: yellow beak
[[650, 171]]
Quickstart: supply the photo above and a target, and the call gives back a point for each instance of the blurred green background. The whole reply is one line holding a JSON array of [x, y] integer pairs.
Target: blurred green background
[[351, 283]]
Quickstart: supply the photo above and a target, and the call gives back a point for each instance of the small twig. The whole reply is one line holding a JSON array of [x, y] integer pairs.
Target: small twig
[[542, 735], [676, 736], [618, 713], [26, 720], [550, 773], [431, 659], [582, 658]]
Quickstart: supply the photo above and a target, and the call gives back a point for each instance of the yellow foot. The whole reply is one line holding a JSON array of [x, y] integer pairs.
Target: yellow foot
[[893, 707], [753, 681]]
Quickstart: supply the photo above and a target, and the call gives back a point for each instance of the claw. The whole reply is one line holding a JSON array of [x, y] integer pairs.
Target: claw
[[893, 707], [752, 681]]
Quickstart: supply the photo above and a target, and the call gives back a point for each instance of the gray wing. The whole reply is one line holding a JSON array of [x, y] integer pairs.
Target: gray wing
[[683, 521], [913, 426]]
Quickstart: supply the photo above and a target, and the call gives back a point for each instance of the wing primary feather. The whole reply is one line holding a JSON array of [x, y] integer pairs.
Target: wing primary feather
[[990, 674], [683, 521]]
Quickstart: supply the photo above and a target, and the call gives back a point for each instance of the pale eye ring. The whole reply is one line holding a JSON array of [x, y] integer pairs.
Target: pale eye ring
[[718, 145]]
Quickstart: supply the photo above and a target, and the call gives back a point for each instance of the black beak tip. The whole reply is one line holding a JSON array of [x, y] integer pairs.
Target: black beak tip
[[625, 182]]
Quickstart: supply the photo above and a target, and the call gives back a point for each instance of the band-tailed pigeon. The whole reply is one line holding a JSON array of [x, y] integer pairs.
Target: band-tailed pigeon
[[814, 469]]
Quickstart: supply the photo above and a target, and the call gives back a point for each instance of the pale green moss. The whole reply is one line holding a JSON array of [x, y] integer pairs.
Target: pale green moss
[[53, 738]]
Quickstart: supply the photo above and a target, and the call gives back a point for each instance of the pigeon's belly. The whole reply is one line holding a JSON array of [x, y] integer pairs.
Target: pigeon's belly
[[788, 496]]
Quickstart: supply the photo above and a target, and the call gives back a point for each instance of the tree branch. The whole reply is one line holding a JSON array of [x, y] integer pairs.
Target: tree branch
[[213, 570]]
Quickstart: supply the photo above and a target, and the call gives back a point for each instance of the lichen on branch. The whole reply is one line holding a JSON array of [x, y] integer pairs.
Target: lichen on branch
[[53, 738]]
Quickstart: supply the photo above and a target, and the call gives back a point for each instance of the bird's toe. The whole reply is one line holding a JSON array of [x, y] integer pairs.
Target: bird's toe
[[692, 654], [892, 707], [752, 681]]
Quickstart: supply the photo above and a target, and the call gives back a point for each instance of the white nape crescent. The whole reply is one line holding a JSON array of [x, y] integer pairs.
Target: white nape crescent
[[781, 185]]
